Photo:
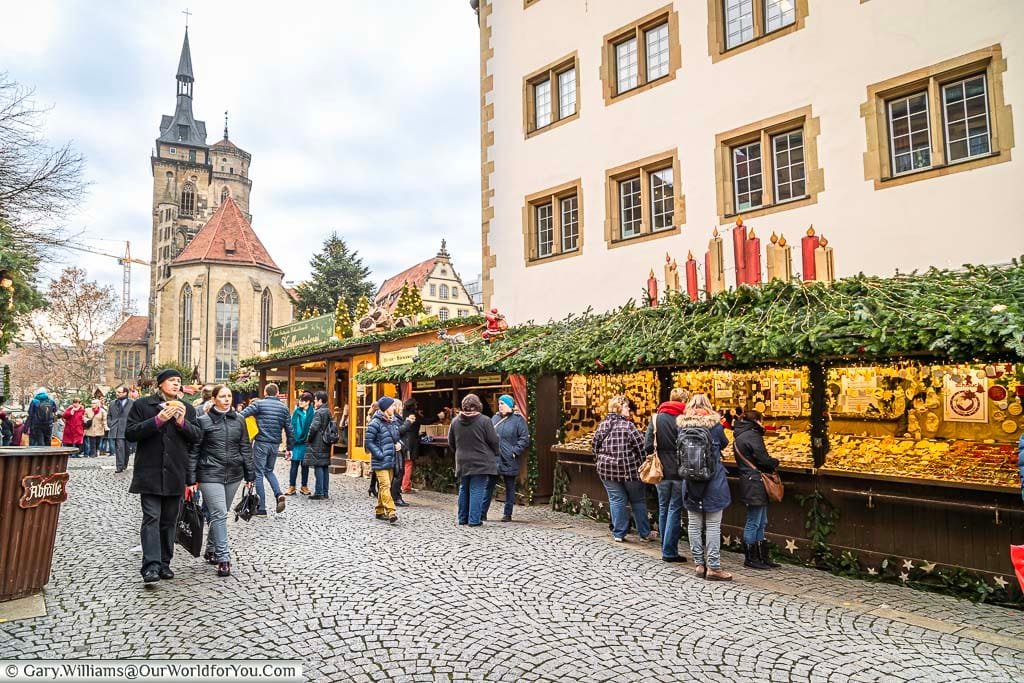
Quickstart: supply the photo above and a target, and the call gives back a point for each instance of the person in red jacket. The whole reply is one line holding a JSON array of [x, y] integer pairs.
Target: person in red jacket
[[74, 427]]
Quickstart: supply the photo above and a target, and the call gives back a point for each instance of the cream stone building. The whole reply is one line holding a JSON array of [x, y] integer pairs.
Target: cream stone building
[[215, 291], [616, 132], [439, 285]]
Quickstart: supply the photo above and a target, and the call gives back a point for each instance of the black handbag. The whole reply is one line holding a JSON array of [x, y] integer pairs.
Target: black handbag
[[249, 503], [189, 534]]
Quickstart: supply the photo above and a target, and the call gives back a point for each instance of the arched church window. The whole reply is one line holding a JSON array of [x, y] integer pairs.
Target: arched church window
[[266, 319], [224, 194], [185, 326], [226, 333], [188, 199]]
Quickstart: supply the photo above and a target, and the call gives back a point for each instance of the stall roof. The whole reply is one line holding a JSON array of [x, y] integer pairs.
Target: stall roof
[[972, 313]]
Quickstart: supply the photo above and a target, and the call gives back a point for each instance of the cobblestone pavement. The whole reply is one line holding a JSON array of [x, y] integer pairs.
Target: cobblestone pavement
[[549, 598]]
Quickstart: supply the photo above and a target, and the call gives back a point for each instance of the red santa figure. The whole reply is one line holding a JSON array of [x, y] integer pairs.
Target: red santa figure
[[496, 325]]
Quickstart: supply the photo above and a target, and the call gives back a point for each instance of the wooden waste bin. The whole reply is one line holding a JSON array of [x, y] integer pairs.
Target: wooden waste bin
[[33, 484]]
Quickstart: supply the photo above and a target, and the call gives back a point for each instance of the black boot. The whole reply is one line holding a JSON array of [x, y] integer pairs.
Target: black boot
[[765, 555], [751, 558]]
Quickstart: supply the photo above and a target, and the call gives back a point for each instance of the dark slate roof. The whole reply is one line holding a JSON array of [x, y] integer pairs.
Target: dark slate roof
[[168, 133], [185, 61]]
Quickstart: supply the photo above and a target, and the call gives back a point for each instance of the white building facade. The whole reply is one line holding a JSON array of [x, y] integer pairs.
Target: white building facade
[[614, 133]]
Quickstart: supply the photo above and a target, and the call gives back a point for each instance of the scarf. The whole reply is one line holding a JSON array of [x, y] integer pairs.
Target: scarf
[[468, 414], [673, 408]]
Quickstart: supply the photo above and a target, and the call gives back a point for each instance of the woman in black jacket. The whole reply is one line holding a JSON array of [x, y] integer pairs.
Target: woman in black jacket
[[749, 443], [216, 466]]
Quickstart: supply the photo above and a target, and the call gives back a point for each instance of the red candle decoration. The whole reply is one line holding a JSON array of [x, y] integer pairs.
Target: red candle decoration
[[739, 238], [652, 289], [691, 276], [752, 253], [807, 246]]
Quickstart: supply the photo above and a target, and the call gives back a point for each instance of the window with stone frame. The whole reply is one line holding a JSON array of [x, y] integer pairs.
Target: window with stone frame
[[553, 223], [266, 318], [737, 25], [641, 54], [444, 291], [642, 199], [226, 333], [550, 95], [188, 200], [185, 326], [443, 314], [768, 166], [946, 118]]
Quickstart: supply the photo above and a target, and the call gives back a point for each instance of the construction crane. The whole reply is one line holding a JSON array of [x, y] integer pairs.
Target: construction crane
[[125, 262]]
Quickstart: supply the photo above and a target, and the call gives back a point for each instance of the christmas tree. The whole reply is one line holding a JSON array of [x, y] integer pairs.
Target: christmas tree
[[342, 320], [362, 308], [410, 303]]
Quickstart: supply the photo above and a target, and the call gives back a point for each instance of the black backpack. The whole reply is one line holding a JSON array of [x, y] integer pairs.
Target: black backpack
[[696, 454], [330, 433], [45, 412]]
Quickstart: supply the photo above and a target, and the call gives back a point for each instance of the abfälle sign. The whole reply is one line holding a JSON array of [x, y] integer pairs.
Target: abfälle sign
[[38, 489]]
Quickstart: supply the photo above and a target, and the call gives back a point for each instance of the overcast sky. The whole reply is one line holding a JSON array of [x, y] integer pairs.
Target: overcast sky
[[361, 117]]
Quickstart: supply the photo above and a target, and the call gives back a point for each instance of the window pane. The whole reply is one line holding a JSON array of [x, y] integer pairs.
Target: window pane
[[967, 126], [739, 22], [545, 232], [909, 133], [630, 208], [779, 13], [748, 180], [626, 65], [570, 223], [566, 93], [657, 52], [542, 103], [662, 199], [789, 173]]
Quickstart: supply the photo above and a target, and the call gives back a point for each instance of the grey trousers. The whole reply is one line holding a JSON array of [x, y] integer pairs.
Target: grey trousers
[[712, 538], [159, 523], [120, 454], [218, 498]]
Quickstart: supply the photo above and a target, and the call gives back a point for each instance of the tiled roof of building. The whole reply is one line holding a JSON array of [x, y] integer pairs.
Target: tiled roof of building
[[417, 276], [224, 143], [132, 331], [227, 238]]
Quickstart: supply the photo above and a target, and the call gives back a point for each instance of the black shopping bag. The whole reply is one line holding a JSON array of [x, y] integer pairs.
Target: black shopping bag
[[190, 524], [249, 503]]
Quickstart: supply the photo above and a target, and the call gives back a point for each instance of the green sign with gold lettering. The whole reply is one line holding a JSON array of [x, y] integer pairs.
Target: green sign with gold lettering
[[309, 331]]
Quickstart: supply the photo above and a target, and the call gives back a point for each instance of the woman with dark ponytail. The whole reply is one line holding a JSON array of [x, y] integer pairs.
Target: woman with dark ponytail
[[752, 458]]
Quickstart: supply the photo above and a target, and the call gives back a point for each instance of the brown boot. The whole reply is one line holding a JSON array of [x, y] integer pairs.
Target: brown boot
[[290, 491], [305, 491], [719, 575]]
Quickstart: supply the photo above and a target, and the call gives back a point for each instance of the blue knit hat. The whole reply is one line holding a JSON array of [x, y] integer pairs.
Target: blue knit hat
[[507, 400], [385, 402]]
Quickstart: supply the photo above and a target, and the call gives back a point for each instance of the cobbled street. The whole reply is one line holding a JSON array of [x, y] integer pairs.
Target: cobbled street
[[548, 598]]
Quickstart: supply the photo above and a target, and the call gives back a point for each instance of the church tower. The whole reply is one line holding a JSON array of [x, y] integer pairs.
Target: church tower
[[191, 180]]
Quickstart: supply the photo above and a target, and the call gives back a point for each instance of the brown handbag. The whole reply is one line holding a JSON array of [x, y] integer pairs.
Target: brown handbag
[[650, 470], [773, 485]]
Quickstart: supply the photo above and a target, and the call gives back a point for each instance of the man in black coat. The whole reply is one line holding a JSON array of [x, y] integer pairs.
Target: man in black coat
[[164, 428], [117, 421]]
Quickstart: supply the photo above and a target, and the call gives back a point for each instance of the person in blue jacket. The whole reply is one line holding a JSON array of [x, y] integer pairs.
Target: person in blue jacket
[[513, 439], [302, 418]]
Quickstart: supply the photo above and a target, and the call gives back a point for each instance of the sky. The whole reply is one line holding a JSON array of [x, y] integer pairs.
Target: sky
[[361, 118]]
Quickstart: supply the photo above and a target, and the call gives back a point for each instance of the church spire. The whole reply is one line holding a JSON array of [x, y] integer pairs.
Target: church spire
[[225, 124], [185, 76]]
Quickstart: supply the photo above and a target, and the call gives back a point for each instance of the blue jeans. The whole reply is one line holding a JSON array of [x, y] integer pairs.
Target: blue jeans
[[323, 481], [631, 493], [264, 456], [472, 490], [294, 473], [92, 446], [757, 520], [670, 516], [510, 493], [217, 499]]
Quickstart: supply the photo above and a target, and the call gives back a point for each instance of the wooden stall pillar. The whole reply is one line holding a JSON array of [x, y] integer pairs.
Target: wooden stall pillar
[[819, 418], [664, 384]]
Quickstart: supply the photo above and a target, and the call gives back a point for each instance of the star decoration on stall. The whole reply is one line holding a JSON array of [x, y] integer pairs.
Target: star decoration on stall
[[904, 577], [928, 567], [1000, 581], [908, 564], [790, 545], [727, 540], [872, 571]]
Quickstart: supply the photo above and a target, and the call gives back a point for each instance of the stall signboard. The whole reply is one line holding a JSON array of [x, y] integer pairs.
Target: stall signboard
[[489, 379], [425, 384], [389, 359], [964, 401], [309, 331], [859, 393], [787, 396], [578, 391], [38, 489]]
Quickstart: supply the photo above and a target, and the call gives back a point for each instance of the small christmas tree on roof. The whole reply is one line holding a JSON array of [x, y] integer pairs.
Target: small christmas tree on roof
[[410, 302], [362, 308], [342, 320]]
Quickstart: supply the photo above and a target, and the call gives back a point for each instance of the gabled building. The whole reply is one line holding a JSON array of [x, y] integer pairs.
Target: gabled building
[[439, 285], [124, 352]]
